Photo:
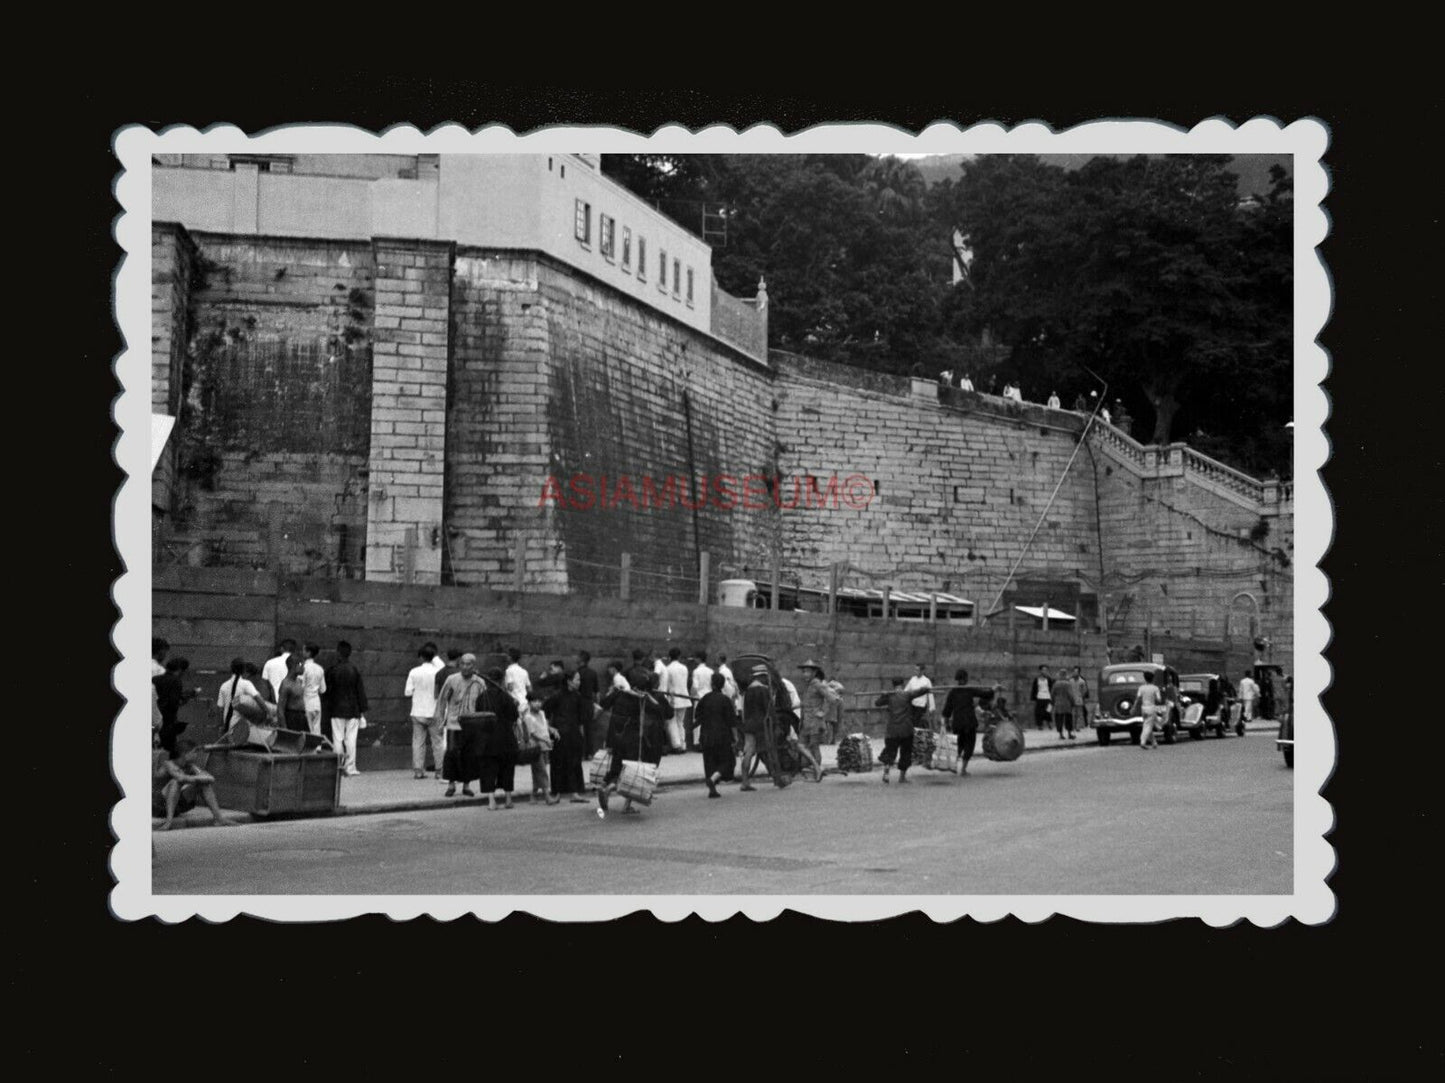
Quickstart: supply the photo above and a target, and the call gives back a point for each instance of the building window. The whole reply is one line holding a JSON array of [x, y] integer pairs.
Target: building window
[[662, 270], [677, 278], [642, 259], [626, 249], [689, 285], [584, 221], [606, 235]]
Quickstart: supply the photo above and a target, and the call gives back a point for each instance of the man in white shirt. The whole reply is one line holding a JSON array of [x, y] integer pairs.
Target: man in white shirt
[[967, 383], [1248, 695], [517, 680], [232, 689], [700, 686], [313, 685], [1053, 400], [421, 684], [919, 690], [673, 684], [730, 684], [275, 669]]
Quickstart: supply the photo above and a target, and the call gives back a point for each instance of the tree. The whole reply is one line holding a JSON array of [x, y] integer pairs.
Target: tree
[[1151, 271]]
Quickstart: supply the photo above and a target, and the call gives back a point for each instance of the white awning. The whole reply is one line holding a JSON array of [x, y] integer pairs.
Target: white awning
[[1038, 611]]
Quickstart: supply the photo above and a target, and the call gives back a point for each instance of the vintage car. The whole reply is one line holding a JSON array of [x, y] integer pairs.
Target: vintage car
[[1118, 708], [1220, 711]]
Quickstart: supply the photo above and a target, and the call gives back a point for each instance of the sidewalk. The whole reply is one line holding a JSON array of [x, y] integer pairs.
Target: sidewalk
[[396, 791]]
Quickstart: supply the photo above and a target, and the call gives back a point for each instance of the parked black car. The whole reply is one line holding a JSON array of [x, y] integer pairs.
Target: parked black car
[[1119, 702], [1220, 712]]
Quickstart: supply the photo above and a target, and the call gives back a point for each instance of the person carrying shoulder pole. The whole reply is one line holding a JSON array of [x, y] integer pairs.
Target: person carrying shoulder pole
[[898, 737]]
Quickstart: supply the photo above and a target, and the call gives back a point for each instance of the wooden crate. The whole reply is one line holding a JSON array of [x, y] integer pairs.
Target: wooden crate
[[267, 783]]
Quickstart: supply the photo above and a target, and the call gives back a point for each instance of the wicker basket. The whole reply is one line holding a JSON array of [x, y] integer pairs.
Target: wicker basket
[[637, 781], [924, 742], [1003, 742], [945, 753]]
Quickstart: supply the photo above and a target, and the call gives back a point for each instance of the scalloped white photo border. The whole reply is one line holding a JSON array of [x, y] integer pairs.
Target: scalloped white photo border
[[1311, 902]]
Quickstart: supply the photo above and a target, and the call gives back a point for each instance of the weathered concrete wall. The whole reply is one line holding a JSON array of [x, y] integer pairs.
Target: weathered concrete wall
[[273, 434], [960, 487], [173, 255], [1179, 548], [555, 375]]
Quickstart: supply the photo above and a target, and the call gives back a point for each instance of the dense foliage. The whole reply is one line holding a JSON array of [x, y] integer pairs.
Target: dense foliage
[[1151, 272]]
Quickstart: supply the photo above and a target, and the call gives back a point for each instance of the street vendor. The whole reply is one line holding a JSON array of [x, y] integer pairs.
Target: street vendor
[[818, 701], [898, 736], [635, 732], [757, 701], [960, 713]]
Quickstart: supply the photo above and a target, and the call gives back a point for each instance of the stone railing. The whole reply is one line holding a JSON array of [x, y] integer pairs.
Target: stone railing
[[1181, 460]]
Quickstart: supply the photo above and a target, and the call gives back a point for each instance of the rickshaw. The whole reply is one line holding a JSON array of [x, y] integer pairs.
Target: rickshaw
[[776, 753]]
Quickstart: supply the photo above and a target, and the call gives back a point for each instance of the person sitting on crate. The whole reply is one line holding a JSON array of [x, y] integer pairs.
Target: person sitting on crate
[[178, 783], [961, 715], [716, 718], [898, 736], [638, 715]]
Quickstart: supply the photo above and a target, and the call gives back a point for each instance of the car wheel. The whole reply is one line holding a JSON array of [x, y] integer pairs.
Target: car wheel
[[1136, 734], [1239, 729], [1169, 731], [1289, 758], [1197, 733], [1103, 735]]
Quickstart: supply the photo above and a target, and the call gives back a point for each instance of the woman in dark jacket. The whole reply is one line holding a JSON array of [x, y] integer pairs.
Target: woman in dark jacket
[[636, 728], [499, 741], [569, 712]]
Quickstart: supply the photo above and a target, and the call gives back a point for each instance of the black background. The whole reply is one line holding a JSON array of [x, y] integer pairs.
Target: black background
[[1178, 1000]]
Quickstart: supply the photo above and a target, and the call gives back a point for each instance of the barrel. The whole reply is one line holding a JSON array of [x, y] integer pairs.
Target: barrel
[[1004, 741]]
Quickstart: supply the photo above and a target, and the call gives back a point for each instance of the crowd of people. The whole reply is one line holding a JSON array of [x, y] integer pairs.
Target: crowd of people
[[473, 729], [1061, 701]]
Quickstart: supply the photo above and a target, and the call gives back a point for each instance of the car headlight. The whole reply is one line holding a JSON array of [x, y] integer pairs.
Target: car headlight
[[1123, 707]]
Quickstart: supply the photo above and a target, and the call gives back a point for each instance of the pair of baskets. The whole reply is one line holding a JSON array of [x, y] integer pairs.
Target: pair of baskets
[[637, 781]]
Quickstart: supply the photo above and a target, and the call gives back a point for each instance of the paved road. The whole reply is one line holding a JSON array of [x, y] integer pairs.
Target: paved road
[[1211, 817]]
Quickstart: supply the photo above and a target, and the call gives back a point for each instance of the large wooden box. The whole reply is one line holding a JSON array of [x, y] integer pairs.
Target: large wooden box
[[268, 783]]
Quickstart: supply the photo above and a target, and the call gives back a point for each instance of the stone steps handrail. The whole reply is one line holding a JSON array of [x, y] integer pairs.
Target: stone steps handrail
[[1154, 460]]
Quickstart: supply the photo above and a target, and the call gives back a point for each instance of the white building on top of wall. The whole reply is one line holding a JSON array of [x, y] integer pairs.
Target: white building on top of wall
[[559, 204]]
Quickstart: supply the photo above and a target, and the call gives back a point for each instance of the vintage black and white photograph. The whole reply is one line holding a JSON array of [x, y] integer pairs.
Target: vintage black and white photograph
[[852, 521]]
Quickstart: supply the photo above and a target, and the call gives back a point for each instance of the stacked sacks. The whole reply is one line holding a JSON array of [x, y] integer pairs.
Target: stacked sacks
[[855, 754], [924, 742]]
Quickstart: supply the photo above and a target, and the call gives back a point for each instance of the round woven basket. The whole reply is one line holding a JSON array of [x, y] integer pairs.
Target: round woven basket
[[1004, 742]]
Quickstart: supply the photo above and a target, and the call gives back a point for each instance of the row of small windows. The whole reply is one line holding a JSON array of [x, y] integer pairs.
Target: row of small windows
[[607, 244]]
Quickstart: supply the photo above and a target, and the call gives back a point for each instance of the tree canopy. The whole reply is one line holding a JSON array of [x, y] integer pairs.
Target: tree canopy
[[1152, 272]]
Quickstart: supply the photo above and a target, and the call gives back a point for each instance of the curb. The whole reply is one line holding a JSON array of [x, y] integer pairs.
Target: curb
[[433, 804]]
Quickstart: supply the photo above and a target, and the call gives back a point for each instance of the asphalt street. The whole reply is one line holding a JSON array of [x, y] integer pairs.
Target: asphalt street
[[1206, 817]]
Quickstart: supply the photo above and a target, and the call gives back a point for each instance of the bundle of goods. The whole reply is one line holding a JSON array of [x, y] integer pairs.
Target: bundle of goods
[[1003, 741], [945, 753], [637, 781], [855, 754], [601, 764], [923, 744]]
